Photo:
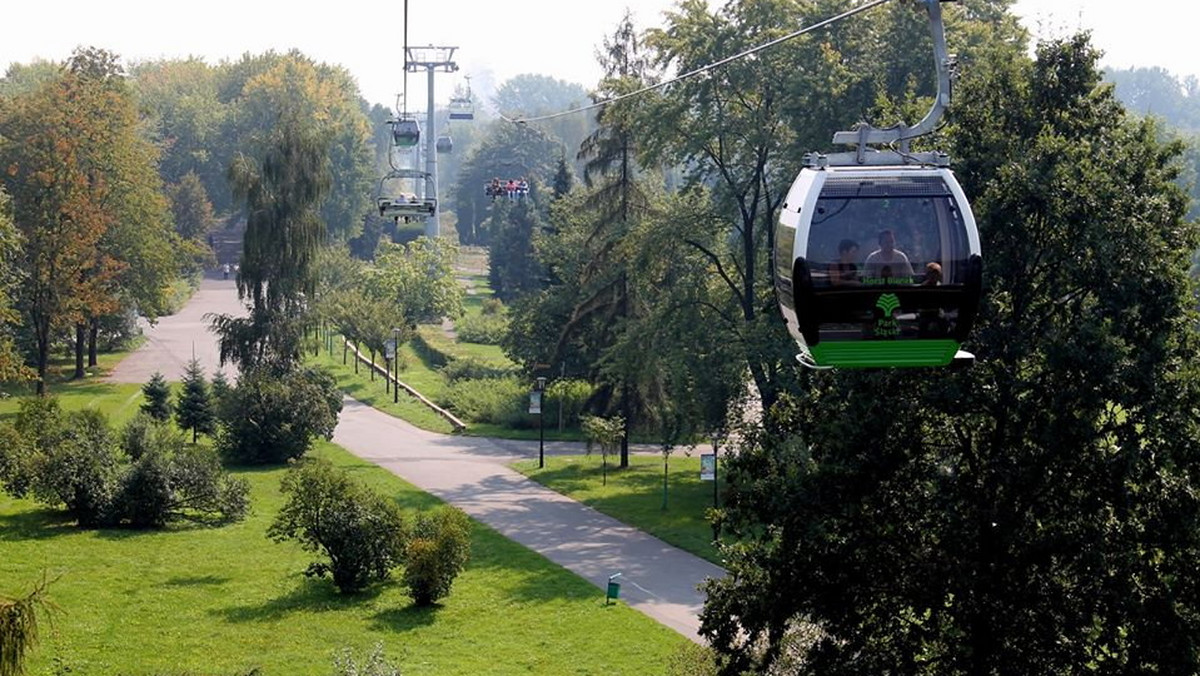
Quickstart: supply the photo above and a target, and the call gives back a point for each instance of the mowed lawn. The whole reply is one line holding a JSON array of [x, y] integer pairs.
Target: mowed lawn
[[222, 600], [634, 495]]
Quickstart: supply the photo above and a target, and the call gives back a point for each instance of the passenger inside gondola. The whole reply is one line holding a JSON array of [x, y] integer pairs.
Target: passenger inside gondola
[[887, 264], [844, 272]]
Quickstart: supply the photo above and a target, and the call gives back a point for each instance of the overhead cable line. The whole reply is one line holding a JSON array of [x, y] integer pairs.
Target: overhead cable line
[[703, 69]]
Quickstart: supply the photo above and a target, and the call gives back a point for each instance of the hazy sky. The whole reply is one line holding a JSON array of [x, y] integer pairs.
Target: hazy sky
[[554, 37]]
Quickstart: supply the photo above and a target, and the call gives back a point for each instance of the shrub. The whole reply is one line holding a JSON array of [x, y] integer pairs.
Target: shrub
[[472, 368], [492, 306], [374, 664], [270, 419], [169, 480], [148, 479], [360, 532], [437, 550], [572, 394], [79, 466], [158, 398], [488, 329], [503, 401]]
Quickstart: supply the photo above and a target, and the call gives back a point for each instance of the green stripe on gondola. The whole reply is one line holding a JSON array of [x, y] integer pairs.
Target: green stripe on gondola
[[884, 353]]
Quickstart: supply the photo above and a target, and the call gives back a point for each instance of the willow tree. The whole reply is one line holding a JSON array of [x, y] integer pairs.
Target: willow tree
[[282, 192]]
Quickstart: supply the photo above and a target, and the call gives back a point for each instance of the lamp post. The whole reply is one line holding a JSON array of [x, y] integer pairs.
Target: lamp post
[[396, 358], [540, 389]]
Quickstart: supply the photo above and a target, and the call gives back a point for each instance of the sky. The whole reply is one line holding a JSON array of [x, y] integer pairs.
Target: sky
[[495, 40]]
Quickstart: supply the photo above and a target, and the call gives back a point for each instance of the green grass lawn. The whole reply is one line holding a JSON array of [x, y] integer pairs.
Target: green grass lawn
[[361, 387], [206, 600], [635, 495]]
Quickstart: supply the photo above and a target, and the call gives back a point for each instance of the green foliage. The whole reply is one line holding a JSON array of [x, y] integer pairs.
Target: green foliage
[[513, 270], [147, 479], [360, 532], [158, 398], [373, 664], [486, 329], [507, 151], [471, 368], [195, 408], [502, 401], [1008, 518], [220, 390], [419, 277], [572, 394], [19, 627], [269, 418], [168, 480], [437, 550]]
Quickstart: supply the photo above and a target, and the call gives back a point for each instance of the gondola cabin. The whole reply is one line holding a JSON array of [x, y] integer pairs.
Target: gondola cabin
[[445, 144], [462, 108], [406, 133], [877, 267]]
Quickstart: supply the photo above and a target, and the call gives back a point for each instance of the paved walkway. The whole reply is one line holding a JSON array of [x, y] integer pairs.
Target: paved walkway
[[472, 473], [171, 343]]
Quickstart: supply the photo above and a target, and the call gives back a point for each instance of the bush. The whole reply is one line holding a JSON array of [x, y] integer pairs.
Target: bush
[[438, 549], [79, 466], [374, 664], [503, 401], [472, 368], [359, 531], [573, 395], [271, 419], [148, 479], [170, 480], [488, 329]]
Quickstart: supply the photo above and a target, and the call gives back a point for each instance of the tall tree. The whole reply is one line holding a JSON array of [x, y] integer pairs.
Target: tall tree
[[140, 251], [282, 192], [54, 198], [1038, 512], [11, 366]]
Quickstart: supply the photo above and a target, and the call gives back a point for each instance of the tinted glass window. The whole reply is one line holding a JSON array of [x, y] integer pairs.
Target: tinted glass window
[[886, 232]]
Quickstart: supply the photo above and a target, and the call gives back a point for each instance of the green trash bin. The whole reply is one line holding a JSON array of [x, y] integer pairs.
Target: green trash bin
[[614, 589]]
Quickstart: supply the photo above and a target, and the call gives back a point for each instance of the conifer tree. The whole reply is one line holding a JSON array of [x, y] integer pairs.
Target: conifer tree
[[195, 409], [158, 398]]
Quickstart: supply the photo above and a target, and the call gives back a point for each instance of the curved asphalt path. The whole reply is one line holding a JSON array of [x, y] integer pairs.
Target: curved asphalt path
[[471, 473]]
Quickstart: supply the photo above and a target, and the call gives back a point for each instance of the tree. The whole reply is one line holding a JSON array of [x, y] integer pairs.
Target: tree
[[1036, 513], [11, 366], [513, 269], [54, 202], [360, 532], [505, 151], [282, 193], [270, 418], [158, 398], [195, 409]]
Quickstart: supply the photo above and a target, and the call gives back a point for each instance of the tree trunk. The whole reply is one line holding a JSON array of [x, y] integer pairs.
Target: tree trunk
[[43, 354], [93, 332], [625, 410], [80, 343]]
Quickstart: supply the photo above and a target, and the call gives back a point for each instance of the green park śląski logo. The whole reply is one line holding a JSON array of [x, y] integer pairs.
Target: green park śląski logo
[[887, 326]]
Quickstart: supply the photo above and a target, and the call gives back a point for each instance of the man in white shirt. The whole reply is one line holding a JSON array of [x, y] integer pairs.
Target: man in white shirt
[[887, 264]]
